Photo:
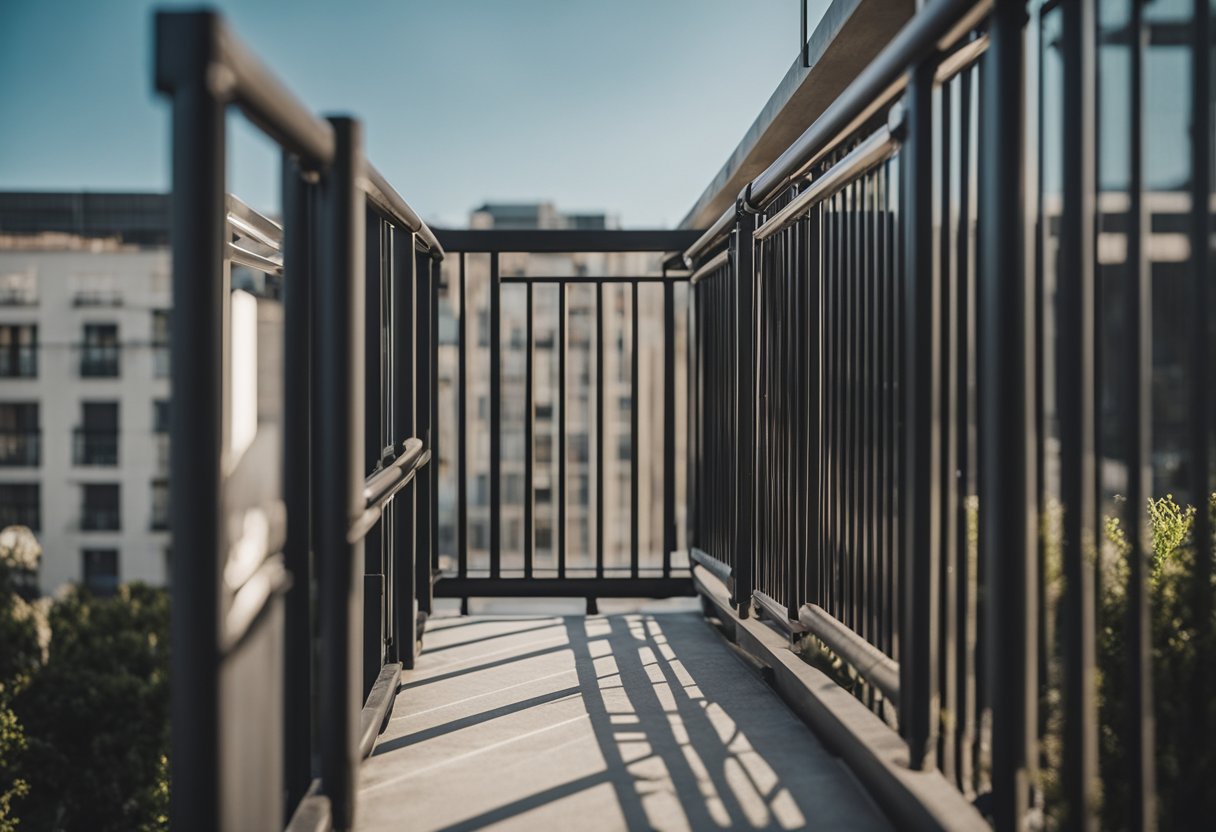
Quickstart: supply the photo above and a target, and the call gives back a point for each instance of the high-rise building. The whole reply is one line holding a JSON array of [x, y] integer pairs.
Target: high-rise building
[[84, 383]]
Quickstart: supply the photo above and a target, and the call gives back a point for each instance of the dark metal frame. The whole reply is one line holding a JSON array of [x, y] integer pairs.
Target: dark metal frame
[[358, 518], [497, 583], [881, 411]]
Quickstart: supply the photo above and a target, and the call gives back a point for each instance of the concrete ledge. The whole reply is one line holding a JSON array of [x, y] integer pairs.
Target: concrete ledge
[[848, 37], [378, 706], [875, 753]]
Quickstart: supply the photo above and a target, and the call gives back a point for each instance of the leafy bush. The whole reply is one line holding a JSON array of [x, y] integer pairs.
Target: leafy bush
[[84, 708], [1184, 760]]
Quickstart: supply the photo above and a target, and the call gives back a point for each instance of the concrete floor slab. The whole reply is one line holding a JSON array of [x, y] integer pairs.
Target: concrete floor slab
[[637, 720]]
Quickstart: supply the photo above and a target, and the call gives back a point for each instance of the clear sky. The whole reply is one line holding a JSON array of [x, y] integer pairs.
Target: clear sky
[[629, 106]]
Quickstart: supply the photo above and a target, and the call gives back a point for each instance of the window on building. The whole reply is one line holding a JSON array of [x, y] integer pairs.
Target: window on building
[[544, 535], [18, 350], [481, 490], [96, 440], [20, 436], [514, 488], [624, 450], [100, 507], [544, 495], [100, 570], [160, 343], [21, 505], [160, 416], [544, 412], [160, 429], [483, 328], [99, 351], [19, 288], [579, 447], [479, 536], [544, 449], [96, 290], [160, 505]]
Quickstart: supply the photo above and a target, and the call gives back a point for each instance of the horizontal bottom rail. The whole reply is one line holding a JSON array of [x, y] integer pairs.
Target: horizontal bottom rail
[[873, 750], [451, 587], [378, 706]]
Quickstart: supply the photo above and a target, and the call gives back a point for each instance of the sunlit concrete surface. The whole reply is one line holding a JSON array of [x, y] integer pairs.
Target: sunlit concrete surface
[[635, 720]]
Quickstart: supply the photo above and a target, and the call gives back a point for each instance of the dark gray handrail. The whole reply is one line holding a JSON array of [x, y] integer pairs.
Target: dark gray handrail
[[871, 663], [381, 485]]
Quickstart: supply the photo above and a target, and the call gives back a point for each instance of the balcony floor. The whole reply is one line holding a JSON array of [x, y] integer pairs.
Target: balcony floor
[[637, 720]]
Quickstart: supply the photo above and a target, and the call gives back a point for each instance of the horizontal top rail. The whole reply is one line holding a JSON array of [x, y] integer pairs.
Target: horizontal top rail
[[873, 151], [563, 241], [197, 50], [936, 27], [872, 664], [386, 198], [381, 485], [709, 266]]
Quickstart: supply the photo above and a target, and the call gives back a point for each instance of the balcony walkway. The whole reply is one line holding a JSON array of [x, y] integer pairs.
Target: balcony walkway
[[638, 720]]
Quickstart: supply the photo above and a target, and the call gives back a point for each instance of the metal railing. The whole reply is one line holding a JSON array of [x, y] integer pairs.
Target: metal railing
[[911, 362], [593, 466], [332, 498]]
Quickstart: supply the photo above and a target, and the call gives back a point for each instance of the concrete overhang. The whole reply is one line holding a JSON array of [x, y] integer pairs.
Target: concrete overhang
[[848, 37]]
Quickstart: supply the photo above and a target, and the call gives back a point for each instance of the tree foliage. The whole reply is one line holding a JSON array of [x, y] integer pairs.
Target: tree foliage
[[84, 708]]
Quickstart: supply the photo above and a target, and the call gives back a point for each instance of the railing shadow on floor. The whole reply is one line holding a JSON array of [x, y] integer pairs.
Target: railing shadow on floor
[[679, 748]]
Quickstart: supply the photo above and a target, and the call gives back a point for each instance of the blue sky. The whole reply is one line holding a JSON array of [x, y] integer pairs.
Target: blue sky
[[628, 106]]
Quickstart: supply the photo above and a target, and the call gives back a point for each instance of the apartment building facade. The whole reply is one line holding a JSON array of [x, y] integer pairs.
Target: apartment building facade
[[84, 383]]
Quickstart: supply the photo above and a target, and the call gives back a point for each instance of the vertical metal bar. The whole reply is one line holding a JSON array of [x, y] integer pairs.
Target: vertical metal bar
[[742, 250], [803, 49], [432, 352], [1008, 513], [634, 450], [184, 50], [561, 430], [529, 429], [405, 423], [669, 425], [599, 430], [692, 417], [1075, 395], [948, 644], [373, 442], [964, 685], [919, 694], [495, 414], [1138, 312], [462, 425], [1196, 794], [426, 481], [339, 451], [813, 386], [297, 555]]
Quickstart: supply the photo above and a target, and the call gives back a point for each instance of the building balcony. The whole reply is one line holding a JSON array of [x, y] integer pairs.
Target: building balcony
[[19, 362], [100, 519], [100, 362], [20, 448], [94, 447]]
